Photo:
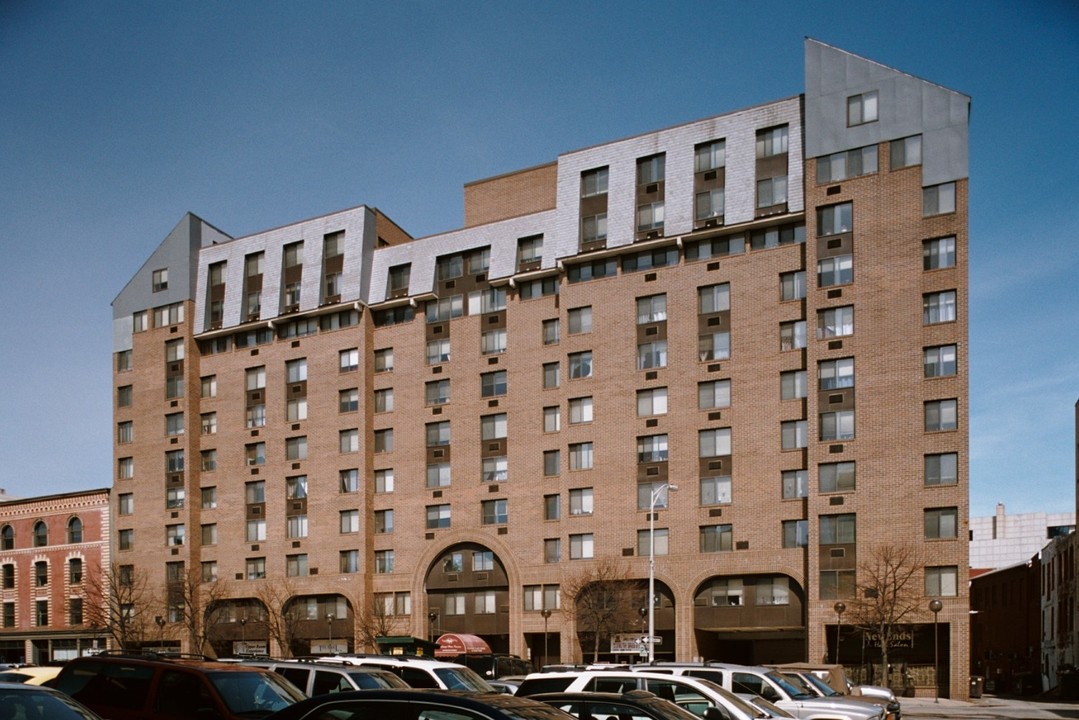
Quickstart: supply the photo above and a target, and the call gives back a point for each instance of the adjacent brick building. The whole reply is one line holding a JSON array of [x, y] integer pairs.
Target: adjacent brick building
[[766, 308]]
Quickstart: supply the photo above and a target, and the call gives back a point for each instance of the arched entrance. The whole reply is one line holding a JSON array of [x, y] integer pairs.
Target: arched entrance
[[468, 592], [750, 619], [611, 616]]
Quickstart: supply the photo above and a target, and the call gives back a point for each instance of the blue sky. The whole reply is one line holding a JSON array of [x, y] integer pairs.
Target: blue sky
[[116, 118]]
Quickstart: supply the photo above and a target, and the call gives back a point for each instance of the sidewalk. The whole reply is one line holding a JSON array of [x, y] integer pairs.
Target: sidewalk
[[988, 707]]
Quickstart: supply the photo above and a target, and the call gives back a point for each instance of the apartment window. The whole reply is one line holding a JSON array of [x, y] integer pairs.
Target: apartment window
[[255, 492], [208, 498], [715, 442], [594, 182], [123, 396], [713, 298], [209, 460], [383, 440], [650, 216], [529, 251], [350, 521], [772, 191], [792, 285], [835, 219], [348, 360], [862, 108], [126, 539], [580, 410], [942, 581], [716, 490], [714, 394], [453, 563], [941, 415], [541, 597], [41, 613], [174, 498], [645, 542], [938, 254], [384, 360], [838, 529], [938, 307], [349, 561], [455, 604], [174, 534], [794, 484], [592, 270], [580, 320], [296, 565], [836, 477], [941, 523], [209, 534], [709, 204], [397, 280], [296, 448], [594, 228], [348, 401], [793, 385], [533, 289], [847, 164], [125, 432], [383, 481], [939, 361], [581, 547], [438, 516], [484, 603], [652, 401], [493, 427], [942, 469], [41, 574], [795, 533], [580, 501], [256, 568], [550, 332], [772, 141], [125, 468], [7, 538], [837, 425], [496, 469], [938, 199], [296, 487], [256, 453], [296, 409], [551, 375], [438, 433], [835, 374], [652, 355], [580, 456], [493, 341], [296, 370], [714, 346], [445, 309], [438, 351], [552, 418], [174, 461], [652, 448], [493, 384], [9, 576], [437, 392], [710, 156], [835, 322], [383, 400], [208, 571], [125, 504], [552, 463], [552, 509], [838, 270], [580, 365], [552, 550], [716, 538], [792, 335], [296, 526], [255, 531], [652, 308], [494, 512], [906, 152], [160, 280], [174, 351], [794, 434]]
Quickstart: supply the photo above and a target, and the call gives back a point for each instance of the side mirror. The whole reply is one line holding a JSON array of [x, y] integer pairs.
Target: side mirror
[[713, 712], [769, 693]]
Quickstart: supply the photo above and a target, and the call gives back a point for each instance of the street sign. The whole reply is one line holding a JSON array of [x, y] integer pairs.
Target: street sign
[[655, 640]]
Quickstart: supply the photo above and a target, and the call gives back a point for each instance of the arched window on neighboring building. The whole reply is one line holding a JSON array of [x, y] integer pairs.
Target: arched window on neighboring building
[[74, 530], [41, 534], [7, 538]]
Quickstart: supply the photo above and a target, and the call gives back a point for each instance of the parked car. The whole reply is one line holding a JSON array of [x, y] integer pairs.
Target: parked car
[[123, 686], [30, 674], [24, 701], [319, 678], [837, 679], [810, 682], [491, 666], [700, 697], [766, 707], [420, 672], [635, 704], [397, 704]]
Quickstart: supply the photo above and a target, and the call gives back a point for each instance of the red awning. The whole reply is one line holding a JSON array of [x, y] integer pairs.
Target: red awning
[[451, 644]]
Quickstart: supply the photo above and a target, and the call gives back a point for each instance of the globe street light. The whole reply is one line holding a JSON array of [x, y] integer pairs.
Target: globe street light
[[665, 488], [840, 608], [329, 631], [243, 635], [546, 616], [935, 607]]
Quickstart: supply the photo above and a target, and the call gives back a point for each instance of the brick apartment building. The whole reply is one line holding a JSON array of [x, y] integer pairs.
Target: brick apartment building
[[766, 308], [51, 548]]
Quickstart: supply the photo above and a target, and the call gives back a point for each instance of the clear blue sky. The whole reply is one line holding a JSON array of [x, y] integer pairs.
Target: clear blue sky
[[118, 117]]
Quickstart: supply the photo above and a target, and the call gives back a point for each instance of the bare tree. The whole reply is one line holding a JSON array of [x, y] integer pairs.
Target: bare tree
[[888, 596], [119, 601], [283, 617], [602, 600], [375, 620], [191, 602]]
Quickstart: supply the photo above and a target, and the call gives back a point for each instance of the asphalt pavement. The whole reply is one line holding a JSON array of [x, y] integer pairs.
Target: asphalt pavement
[[989, 707]]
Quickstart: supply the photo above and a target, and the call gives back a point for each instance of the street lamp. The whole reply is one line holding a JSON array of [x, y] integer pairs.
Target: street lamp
[[840, 608], [935, 607], [546, 616], [243, 635], [432, 617], [329, 631], [664, 488]]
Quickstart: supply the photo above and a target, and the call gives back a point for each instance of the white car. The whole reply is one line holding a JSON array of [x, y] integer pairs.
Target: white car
[[419, 672]]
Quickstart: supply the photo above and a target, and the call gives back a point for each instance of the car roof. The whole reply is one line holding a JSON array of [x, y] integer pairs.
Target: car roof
[[474, 701], [193, 662]]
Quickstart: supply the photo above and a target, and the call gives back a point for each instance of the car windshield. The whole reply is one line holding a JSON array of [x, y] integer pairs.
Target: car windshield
[[254, 694], [825, 689], [462, 678], [369, 680], [789, 688], [43, 704], [732, 699]]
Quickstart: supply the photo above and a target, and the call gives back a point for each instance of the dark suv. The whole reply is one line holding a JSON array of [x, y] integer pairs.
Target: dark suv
[[123, 686]]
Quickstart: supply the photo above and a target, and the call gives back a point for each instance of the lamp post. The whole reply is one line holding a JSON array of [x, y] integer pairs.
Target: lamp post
[[840, 608], [243, 635], [160, 621], [664, 488], [546, 616], [935, 607], [329, 631], [432, 617]]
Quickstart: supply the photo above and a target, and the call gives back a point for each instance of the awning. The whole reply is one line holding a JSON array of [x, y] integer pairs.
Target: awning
[[451, 644]]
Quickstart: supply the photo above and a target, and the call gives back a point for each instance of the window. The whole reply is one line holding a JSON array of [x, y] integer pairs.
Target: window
[[792, 335], [838, 270], [208, 498], [350, 521], [941, 415], [256, 568], [793, 385], [125, 432], [942, 469], [652, 448], [580, 410], [383, 440], [125, 504], [438, 351], [716, 490], [715, 442], [437, 392], [174, 534], [662, 542], [41, 534], [794, 434], [838, 529], [125, 468], [594, 228], [551, 375], [652, 308], [296, 448], [383, 400], [580, 501], [296, 487], [580, 456], [349, 400], [862, 108], [209, 534], [794, 484], [652, 401], [445, 309], [847, 164], [772, 191], [74, 530], [296, 526], [532, 289], [296, 565], [438, 516], [541, 597], [209, 460], [384, 360], [174, 461], [348, 360], [41, 574], [714, 394], [493, 341], [349, 480], [714, 346], [939, 361], [9, 577], [795, 533], [581, 547], [126, 539], [650, 216], [495, 469], [773, 591], [453, 563], [552, 418], [383, 562], [255, 492], [836, 477], [938, 199], [792, 285], [174, 498], [835, 374], [550, 332], [906, 152], [837, 425], [938, 254], [529, 251], [494, 512], [493, 384], [709, 204], [384, 481], [124, 361], [710, 156], [383, 522], [41, 613], [580, 320], [938, 307], [837, 584], [772, 141], [941, 523], [580, 365], [835, 322], [438, 433], [552, 507], [296, 370], [493, 427], [552, 550], [725, 592], [713, 298], [835, 219], [594, 182], [652, 355], [349, 441], [716, 538], [552, 463], [942, 581]]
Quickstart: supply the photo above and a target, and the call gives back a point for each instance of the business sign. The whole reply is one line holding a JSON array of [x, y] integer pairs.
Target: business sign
[[625, 643]]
